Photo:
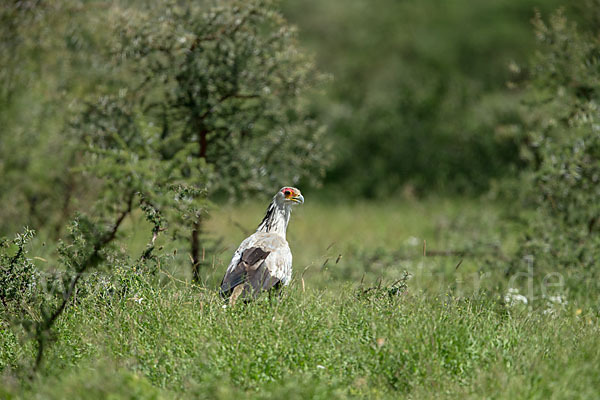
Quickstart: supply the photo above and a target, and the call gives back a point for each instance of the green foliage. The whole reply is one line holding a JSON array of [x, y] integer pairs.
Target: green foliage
[[84, 251], [563, 137], [211, 96], [18, 275], [49, 52]]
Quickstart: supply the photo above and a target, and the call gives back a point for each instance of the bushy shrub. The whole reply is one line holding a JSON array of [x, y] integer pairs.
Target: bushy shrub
[[562, 134], [210, 99]]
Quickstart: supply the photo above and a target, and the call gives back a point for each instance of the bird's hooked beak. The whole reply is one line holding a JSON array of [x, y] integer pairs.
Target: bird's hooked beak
[[298, 199]]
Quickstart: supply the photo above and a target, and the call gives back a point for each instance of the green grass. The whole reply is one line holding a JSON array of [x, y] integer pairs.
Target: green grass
[[144, 339]]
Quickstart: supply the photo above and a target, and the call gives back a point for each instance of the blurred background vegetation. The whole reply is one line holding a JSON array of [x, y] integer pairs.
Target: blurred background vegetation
[[419, 99], [457, 141]]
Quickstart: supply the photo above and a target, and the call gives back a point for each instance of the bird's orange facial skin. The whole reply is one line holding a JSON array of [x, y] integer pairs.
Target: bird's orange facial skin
[[291, 194], [288, 192]]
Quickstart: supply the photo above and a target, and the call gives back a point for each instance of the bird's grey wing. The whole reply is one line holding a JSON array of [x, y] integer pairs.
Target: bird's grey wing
[[247, 266], [231, 276], [264, 277]]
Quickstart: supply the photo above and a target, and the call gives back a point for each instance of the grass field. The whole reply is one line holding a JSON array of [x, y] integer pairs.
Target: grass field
[[334, 244], [450, 333]]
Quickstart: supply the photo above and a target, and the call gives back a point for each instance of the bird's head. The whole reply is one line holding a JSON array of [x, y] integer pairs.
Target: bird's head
[[289, 196]]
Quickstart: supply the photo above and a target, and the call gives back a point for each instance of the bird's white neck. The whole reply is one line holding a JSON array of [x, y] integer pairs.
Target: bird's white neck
[[276, 219]]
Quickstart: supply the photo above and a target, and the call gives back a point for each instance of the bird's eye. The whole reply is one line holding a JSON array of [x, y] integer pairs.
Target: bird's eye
[[287, 193]]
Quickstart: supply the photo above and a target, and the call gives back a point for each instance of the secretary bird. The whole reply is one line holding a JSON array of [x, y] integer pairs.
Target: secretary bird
[[263, 261]]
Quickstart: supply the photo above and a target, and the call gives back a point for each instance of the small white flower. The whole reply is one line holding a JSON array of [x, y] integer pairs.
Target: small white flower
[[513, 297], [558, 299], [520, 298], [320, 366]]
